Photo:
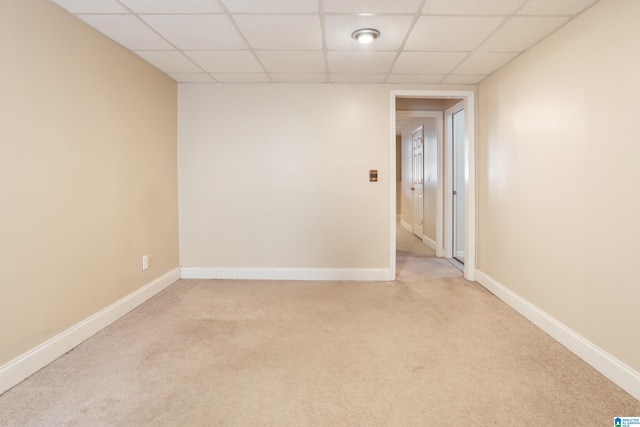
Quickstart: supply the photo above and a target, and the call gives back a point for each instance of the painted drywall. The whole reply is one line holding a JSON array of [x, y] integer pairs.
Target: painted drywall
[[276, 176], [420, 104], [88, 173], [558, 203], [430, 173]]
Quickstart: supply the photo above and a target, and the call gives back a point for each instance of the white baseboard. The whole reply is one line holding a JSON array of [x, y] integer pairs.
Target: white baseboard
[[619, 373], [37, 358], [406, 226], [429, 242], [361, 274]]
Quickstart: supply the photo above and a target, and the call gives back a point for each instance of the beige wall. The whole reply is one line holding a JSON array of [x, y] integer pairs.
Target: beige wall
[[87, 173], [558, 219], [277, 175]]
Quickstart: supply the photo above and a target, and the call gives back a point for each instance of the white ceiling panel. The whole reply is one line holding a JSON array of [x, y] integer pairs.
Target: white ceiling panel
[[284, 32], [427, 62], [554, 7], [372, 6], [520, 33], [472, 7], [192, 77], [242, 77], [455, 79], [173, 6], [451, 33], [226, 61], [84, 6], [169, 61], [192, 32], [393, 29], [299, 78], [127, 30], [271, 6], [286, 61], [360, 62], [262, 41], [357, 78], [415, 78], [484, 63]]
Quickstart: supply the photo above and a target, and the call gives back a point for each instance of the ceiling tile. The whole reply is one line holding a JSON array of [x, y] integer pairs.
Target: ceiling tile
[[242, 77], [169, 61], [271, 6], [415, 78], [427, 62], [127, 30], [357, 78], [191, 77], [360, 62], [471, 7], [287, 32], [287, 61], [393, 29], [555, 7], [84, 6], [371, 6], [226, 61], [299, 78], [520, 33], [451, 33], [454, 79], [193, 32], [173, 6], [484, 63]]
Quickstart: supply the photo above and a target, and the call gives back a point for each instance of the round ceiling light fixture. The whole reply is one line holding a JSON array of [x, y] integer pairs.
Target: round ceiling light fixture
[[366, 35]]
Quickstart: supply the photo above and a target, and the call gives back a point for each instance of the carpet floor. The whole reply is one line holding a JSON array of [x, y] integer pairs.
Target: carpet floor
[[429, 349]]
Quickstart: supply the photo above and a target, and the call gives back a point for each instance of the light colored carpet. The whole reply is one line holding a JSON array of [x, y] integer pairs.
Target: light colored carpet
[[408, 244], [430, 349]]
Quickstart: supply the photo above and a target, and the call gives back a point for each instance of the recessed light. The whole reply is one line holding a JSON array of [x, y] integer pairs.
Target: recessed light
[[366, 35]]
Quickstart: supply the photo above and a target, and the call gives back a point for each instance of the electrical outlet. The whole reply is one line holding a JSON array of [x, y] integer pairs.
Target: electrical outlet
[[145, 262], [151, 260]]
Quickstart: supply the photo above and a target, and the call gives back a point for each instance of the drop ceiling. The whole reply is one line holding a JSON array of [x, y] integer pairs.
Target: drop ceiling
[[309, 41]]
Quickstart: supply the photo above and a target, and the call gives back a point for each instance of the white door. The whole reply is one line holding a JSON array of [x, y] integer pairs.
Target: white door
[[417, 186], [458, 176]]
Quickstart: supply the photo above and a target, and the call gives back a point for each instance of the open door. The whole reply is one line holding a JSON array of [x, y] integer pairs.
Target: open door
[[417, 184], [458, 184]]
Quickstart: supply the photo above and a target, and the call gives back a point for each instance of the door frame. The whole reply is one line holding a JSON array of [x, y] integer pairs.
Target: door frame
[[468, 97]]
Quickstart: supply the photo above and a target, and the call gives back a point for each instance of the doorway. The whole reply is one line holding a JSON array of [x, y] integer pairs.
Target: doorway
[[466, 168]]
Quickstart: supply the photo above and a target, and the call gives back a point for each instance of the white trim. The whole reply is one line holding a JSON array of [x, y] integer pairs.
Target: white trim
[[470, 189], [621, 374], [37, 358], [359, 274], [393, 188], [406, 226], [429, 242]]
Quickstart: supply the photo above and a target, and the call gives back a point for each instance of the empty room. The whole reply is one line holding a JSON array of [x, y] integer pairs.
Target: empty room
[[319, 212]]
